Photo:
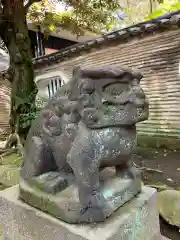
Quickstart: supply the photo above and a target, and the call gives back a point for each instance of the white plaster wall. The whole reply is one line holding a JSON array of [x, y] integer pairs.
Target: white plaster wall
[[4, 60], [43, 80]]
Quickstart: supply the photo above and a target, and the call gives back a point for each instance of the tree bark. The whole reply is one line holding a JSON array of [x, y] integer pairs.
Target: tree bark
[[15, 35]]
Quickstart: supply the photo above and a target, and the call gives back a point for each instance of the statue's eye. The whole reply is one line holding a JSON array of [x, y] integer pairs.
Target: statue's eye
[[116, 88]]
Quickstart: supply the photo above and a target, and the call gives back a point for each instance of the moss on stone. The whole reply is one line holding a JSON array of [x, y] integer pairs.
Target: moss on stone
[[169, 206], [12, 159], [10, 170], [9, 175]]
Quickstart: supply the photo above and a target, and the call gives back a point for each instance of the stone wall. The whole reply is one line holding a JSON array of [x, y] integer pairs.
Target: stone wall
[[4, 107], [156, 53]]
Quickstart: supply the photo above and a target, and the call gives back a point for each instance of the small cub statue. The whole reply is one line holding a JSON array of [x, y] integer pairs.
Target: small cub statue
[[77, 163]]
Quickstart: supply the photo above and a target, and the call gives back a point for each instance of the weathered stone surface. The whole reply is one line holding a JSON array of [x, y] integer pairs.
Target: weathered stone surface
[[136, 220], [12, 159], [169, 206], [1, 232], [87, 126], [65, 205], [9, 175]]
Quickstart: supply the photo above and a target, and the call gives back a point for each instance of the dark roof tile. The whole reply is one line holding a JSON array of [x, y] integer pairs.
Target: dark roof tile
[[135, 30], [100, 39], [175, 19], [150, 27], [111, 37]]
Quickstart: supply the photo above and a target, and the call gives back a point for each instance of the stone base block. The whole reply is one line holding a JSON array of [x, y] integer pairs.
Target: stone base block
[[136, 220], [65, 205]]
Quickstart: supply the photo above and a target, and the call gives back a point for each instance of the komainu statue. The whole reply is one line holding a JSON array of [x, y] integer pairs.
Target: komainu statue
[[77, 163]]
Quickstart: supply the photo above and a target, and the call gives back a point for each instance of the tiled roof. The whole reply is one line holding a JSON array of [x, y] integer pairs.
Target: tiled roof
[[165, 22]]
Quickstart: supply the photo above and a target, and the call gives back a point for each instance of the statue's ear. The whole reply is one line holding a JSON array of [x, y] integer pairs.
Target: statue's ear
[[76, 71], [74, 85], [138, 76]]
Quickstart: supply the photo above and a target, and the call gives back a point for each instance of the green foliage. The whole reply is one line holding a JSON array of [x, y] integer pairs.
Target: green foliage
[[93, 15], [19, 102], [96, 15], [27, 111], [26, 118], [83, 15], [165, 7], [136, 10]]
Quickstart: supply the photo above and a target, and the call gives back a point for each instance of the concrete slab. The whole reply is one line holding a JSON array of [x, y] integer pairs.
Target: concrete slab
[[136, 220]]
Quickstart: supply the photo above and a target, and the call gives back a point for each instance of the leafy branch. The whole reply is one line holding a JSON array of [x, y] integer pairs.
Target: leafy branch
[[31, 2], [164, 7]]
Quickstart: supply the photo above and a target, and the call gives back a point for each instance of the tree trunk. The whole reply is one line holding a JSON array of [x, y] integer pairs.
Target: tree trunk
[[21, 70]]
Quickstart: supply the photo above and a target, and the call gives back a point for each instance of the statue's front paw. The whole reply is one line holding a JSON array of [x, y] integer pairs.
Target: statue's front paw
[[95, 209], [133, 173]]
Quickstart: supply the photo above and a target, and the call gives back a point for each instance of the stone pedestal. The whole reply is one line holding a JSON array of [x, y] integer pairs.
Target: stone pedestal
[[136, 220]]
